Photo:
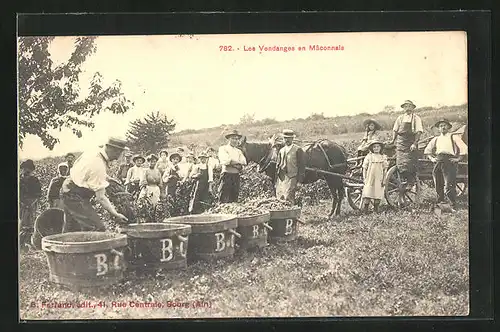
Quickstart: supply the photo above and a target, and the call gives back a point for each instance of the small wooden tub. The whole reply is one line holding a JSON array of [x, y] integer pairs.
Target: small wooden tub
[[156, 245], [254, 231], [212, 235], [49, 222], [85, 259], [284, 225]]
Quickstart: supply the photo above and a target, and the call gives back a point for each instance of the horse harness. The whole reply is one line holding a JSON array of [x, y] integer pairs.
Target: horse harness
[[317, 144]]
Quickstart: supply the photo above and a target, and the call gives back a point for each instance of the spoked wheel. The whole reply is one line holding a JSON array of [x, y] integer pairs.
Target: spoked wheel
[[398, 192], [461, 188], [354, 195]]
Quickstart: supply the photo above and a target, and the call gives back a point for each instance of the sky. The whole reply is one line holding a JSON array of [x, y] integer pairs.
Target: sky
[[192, 81]]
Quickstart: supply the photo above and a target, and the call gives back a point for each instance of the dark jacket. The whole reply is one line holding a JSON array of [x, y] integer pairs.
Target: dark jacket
[[29, 188]]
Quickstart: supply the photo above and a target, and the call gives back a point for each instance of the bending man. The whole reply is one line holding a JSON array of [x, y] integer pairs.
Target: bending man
[[87, 179]]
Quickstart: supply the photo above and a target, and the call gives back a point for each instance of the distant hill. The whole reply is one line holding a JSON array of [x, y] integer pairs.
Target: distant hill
[[317, 126], [342, 129]]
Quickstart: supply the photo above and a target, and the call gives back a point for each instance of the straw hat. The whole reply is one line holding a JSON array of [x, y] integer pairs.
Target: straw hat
[[117, 143], [408, 102], [138, 156], [173, 155], [288, 133], [202, 155], [443, 121], [233, 133], [152, 156], [128, 154], [163, 150], [368, 121], [375, 141]]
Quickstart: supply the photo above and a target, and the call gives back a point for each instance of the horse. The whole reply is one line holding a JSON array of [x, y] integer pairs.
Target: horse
[[322, 155]]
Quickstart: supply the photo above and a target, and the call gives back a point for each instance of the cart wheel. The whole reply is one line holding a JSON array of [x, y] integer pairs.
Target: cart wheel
[[461, 188], [397, 193], [354, 194]]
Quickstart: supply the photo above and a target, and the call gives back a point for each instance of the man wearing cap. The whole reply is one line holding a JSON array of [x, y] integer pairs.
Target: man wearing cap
[[30, 191], [124, 167], [88, 179], [406, 134], [232, 161], [290, 168], [445, 150]]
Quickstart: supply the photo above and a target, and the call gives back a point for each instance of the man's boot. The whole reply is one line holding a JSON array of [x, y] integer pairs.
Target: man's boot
[[376, 204]]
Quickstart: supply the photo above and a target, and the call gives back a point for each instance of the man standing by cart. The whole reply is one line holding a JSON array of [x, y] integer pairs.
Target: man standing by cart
[[406, 133], [88, 178], [232, 161], [290, 168]]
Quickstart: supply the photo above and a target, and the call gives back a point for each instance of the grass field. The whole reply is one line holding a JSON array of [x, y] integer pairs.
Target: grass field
[[404, 263]]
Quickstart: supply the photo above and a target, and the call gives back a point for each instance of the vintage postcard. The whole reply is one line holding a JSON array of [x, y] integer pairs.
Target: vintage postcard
[[248, 175]]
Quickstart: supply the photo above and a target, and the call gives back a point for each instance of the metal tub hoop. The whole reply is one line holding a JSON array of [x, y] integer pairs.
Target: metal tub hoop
[[285, 214], [207, 223], [83, 242], [155, 230], [253, 220]]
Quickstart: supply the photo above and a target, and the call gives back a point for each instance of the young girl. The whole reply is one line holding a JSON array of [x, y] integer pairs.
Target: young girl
[[171, 175], [203, 176], [134, 174], [375, 167], [372, 127], [53, 195], [162, 162], [151, 181], [30, 191]]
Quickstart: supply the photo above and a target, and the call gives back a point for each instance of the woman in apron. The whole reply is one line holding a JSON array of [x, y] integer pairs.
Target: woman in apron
[[151, 182], [406, 134], [199, 197]]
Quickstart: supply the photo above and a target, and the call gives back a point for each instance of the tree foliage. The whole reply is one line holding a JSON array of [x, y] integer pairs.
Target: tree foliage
[[49, 96], [151, 133]]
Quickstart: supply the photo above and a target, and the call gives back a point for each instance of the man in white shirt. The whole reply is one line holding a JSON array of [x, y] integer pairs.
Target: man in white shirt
[[232, 161], [88, 178], [445, 150], [407, 130]]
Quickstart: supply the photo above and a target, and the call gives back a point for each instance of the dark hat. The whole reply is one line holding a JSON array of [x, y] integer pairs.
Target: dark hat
[[408, 102], [117, 143], [442, 121], [152, 156], [69, 154], [375, 141], [368, 121], [28, 164], [173, 155], [138, 156], [233, 133], [288, 133]]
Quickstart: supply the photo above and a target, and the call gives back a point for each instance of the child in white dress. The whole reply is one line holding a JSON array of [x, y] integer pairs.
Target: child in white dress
[[375, 167]]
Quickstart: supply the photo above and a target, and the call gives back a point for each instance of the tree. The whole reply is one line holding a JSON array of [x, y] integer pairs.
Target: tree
[[50, 98], [151, 133], [247, 119]]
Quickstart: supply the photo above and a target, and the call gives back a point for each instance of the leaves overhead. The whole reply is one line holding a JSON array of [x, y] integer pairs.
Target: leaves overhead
[[50, 96], [151, 133]]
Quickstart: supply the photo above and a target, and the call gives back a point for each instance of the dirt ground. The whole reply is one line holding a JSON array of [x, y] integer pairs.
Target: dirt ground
[[404, 263]]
